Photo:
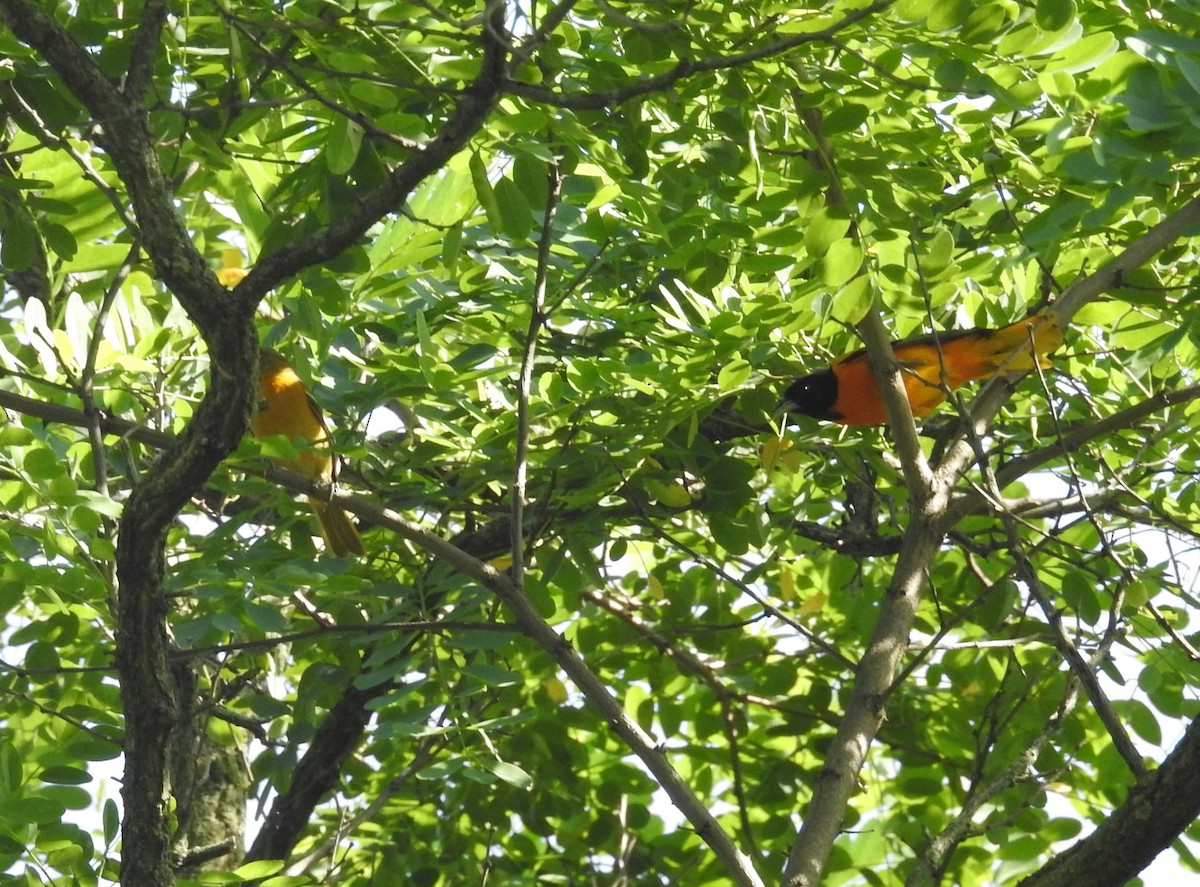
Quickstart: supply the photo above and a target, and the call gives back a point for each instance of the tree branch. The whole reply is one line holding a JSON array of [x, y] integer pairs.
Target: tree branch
[[1153, 814], [53, 412], [876, 672], [873, 679], [943, 844], [959, 453], [127, 138], [537, 320], [917, 476], [468, 116], [531, 623], [1136, 254], [598, 101], [153, 704], [146, 42], [1076, 437], [317, 772], [1080, 667]]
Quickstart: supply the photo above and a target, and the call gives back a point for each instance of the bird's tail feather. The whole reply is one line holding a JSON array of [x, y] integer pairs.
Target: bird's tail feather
[[340, 534], [1013, 347]]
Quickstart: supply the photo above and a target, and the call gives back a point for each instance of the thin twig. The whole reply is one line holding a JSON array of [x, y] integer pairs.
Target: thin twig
[[357, 117], [961, 826], [87, 376], [545, 28], [75, 723], [1080, 668], [537, 320], [424, 753], [1164, 623]]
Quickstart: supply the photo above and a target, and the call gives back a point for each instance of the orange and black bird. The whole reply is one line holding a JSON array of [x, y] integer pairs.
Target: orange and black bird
[[285, 407], [931, 365]]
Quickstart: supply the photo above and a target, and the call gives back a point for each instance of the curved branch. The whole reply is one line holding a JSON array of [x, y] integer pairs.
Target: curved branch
[[1072, 440], [599, 101], [155, 696], [317, 773], [531, 623], [959, 453], [467, 118], [1138, 253], [153, 703], [126, 137]]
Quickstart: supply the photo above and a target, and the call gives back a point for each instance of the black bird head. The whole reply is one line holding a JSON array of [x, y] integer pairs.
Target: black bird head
[[812, 395]]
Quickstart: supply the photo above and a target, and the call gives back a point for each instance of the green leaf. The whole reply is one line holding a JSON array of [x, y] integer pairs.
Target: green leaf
[[530, 176], [277, 447], [342, 145], [23, 811], [516, 218], [484, 192], [912, 10], [98, 503], [64, 775], [733, 374], [42, 657], [60, 240], [11, 768], [842, 261], [946, 15], [669, 493], [451, 245], [70, 797], [259, 868], [427, 352], [1085, 54], [853, 301], [492, 675], [823, 231], [1143, 722], [13, 435], [510, 773], [1054, 15], [268, 619], [1189, 67], [985, 23], [846, 118], [112, 821], [17, 245]]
